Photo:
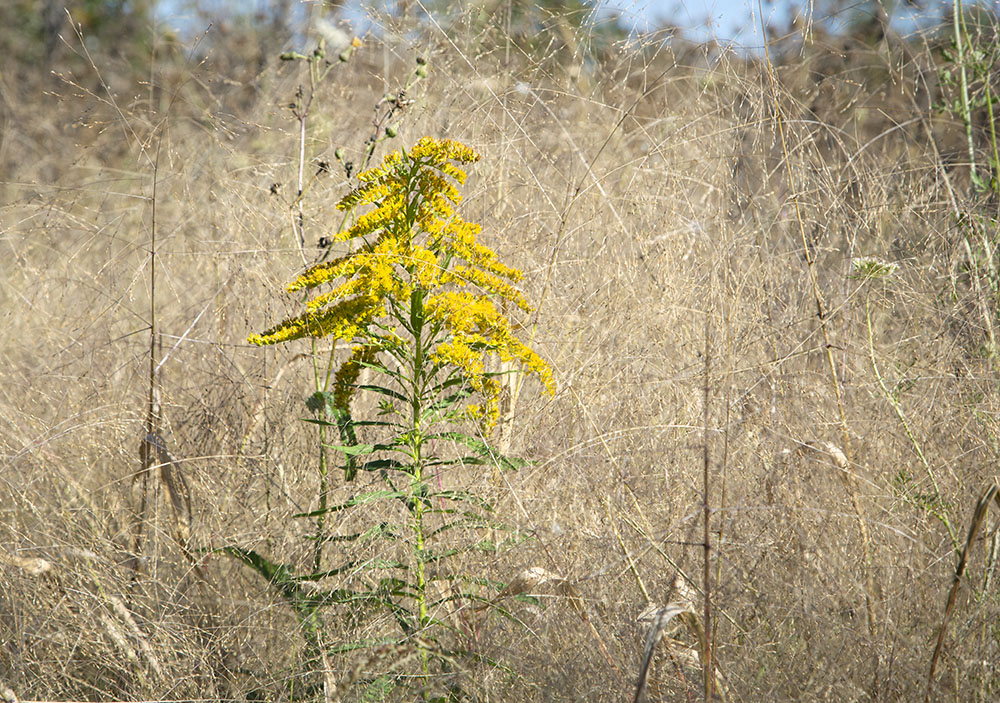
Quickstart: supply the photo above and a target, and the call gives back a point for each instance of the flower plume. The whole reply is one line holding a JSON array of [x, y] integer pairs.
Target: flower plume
[[417, 270]]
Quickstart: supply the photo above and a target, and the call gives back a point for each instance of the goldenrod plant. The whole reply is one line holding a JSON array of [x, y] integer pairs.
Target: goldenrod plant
[[421, 304]]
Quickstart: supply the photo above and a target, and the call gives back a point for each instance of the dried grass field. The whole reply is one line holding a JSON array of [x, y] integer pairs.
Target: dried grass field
[[769, 278]]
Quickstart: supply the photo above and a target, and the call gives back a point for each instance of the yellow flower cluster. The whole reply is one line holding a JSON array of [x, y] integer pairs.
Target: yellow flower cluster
[[439, 151], [411, 239], [477, 327], [347, 375], [347, 319]]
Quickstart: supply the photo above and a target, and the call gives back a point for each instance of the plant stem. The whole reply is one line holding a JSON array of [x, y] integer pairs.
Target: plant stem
[[707, 663], [847, 476], [959, 23], [995, 161], [417, 481], [321, 518], [936, 512], [146, 458], [322, 386]]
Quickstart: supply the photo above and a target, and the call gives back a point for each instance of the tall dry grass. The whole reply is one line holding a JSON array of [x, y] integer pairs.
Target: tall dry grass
[[639, 197]]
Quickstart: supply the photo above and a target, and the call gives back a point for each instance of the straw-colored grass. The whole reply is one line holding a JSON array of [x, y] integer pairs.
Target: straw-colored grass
[[639, 196]]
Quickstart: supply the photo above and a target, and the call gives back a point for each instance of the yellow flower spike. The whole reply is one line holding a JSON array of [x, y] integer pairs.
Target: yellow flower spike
[[386, 168], [460, 152], [426, 268], [433, 186], [443, 149], [343, 321], [347, 375], [317, 275], [389, 212], [414, 240], [492, 283]]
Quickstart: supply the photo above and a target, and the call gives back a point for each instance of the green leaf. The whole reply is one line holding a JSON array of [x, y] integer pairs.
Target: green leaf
[[358, 566], [361, 449], [355, 423], [385, 464], [492, 584], [484, 450], [321, 401], [382, 530], [278, 574], [324, 401], [470, 522], [357, 500], [463, 496], [450, 400], [356, 450], [385, 391], [396, 587], [452, 380]]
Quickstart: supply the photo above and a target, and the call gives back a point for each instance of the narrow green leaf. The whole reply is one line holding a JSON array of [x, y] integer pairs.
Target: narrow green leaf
[[386, 392], [463, 496], [321, 401], [357, 500], [483, 449], [383, 464], [382, 530], [355, 423], [356, 450]]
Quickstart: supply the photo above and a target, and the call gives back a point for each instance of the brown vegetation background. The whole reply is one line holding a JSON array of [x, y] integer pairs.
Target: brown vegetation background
[[642, 187]]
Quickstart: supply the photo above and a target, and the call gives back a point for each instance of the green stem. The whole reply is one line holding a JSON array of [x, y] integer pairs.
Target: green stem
[[417, 442], [935, 511], [321, 518], [995, 161], [322, 385], [959, 23]]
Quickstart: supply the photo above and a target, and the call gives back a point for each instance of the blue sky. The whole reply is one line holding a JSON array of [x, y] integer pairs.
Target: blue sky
[[725, 19], [735, 21], [738, 21], [722, 19]]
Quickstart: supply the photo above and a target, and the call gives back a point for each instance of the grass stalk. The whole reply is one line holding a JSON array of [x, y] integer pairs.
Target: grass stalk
[[958, 26], [937, 512], [147, 452], [708, 664], [990, 495], [724, 469], [847, 475]]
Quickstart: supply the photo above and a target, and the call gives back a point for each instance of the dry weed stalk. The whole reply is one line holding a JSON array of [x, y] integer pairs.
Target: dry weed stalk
[[147, 455], [529, 581], [657, 619], [979, 515], [707, 658], [847, 477]]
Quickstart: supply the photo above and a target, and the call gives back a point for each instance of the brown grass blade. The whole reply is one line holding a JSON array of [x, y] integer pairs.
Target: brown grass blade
[[978, 518], [658, 623]]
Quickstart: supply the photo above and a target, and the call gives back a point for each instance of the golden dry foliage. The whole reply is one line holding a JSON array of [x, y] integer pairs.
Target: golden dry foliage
[[639, 196]]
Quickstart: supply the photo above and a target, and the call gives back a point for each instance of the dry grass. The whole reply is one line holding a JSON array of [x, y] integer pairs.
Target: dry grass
[[638, 199]]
